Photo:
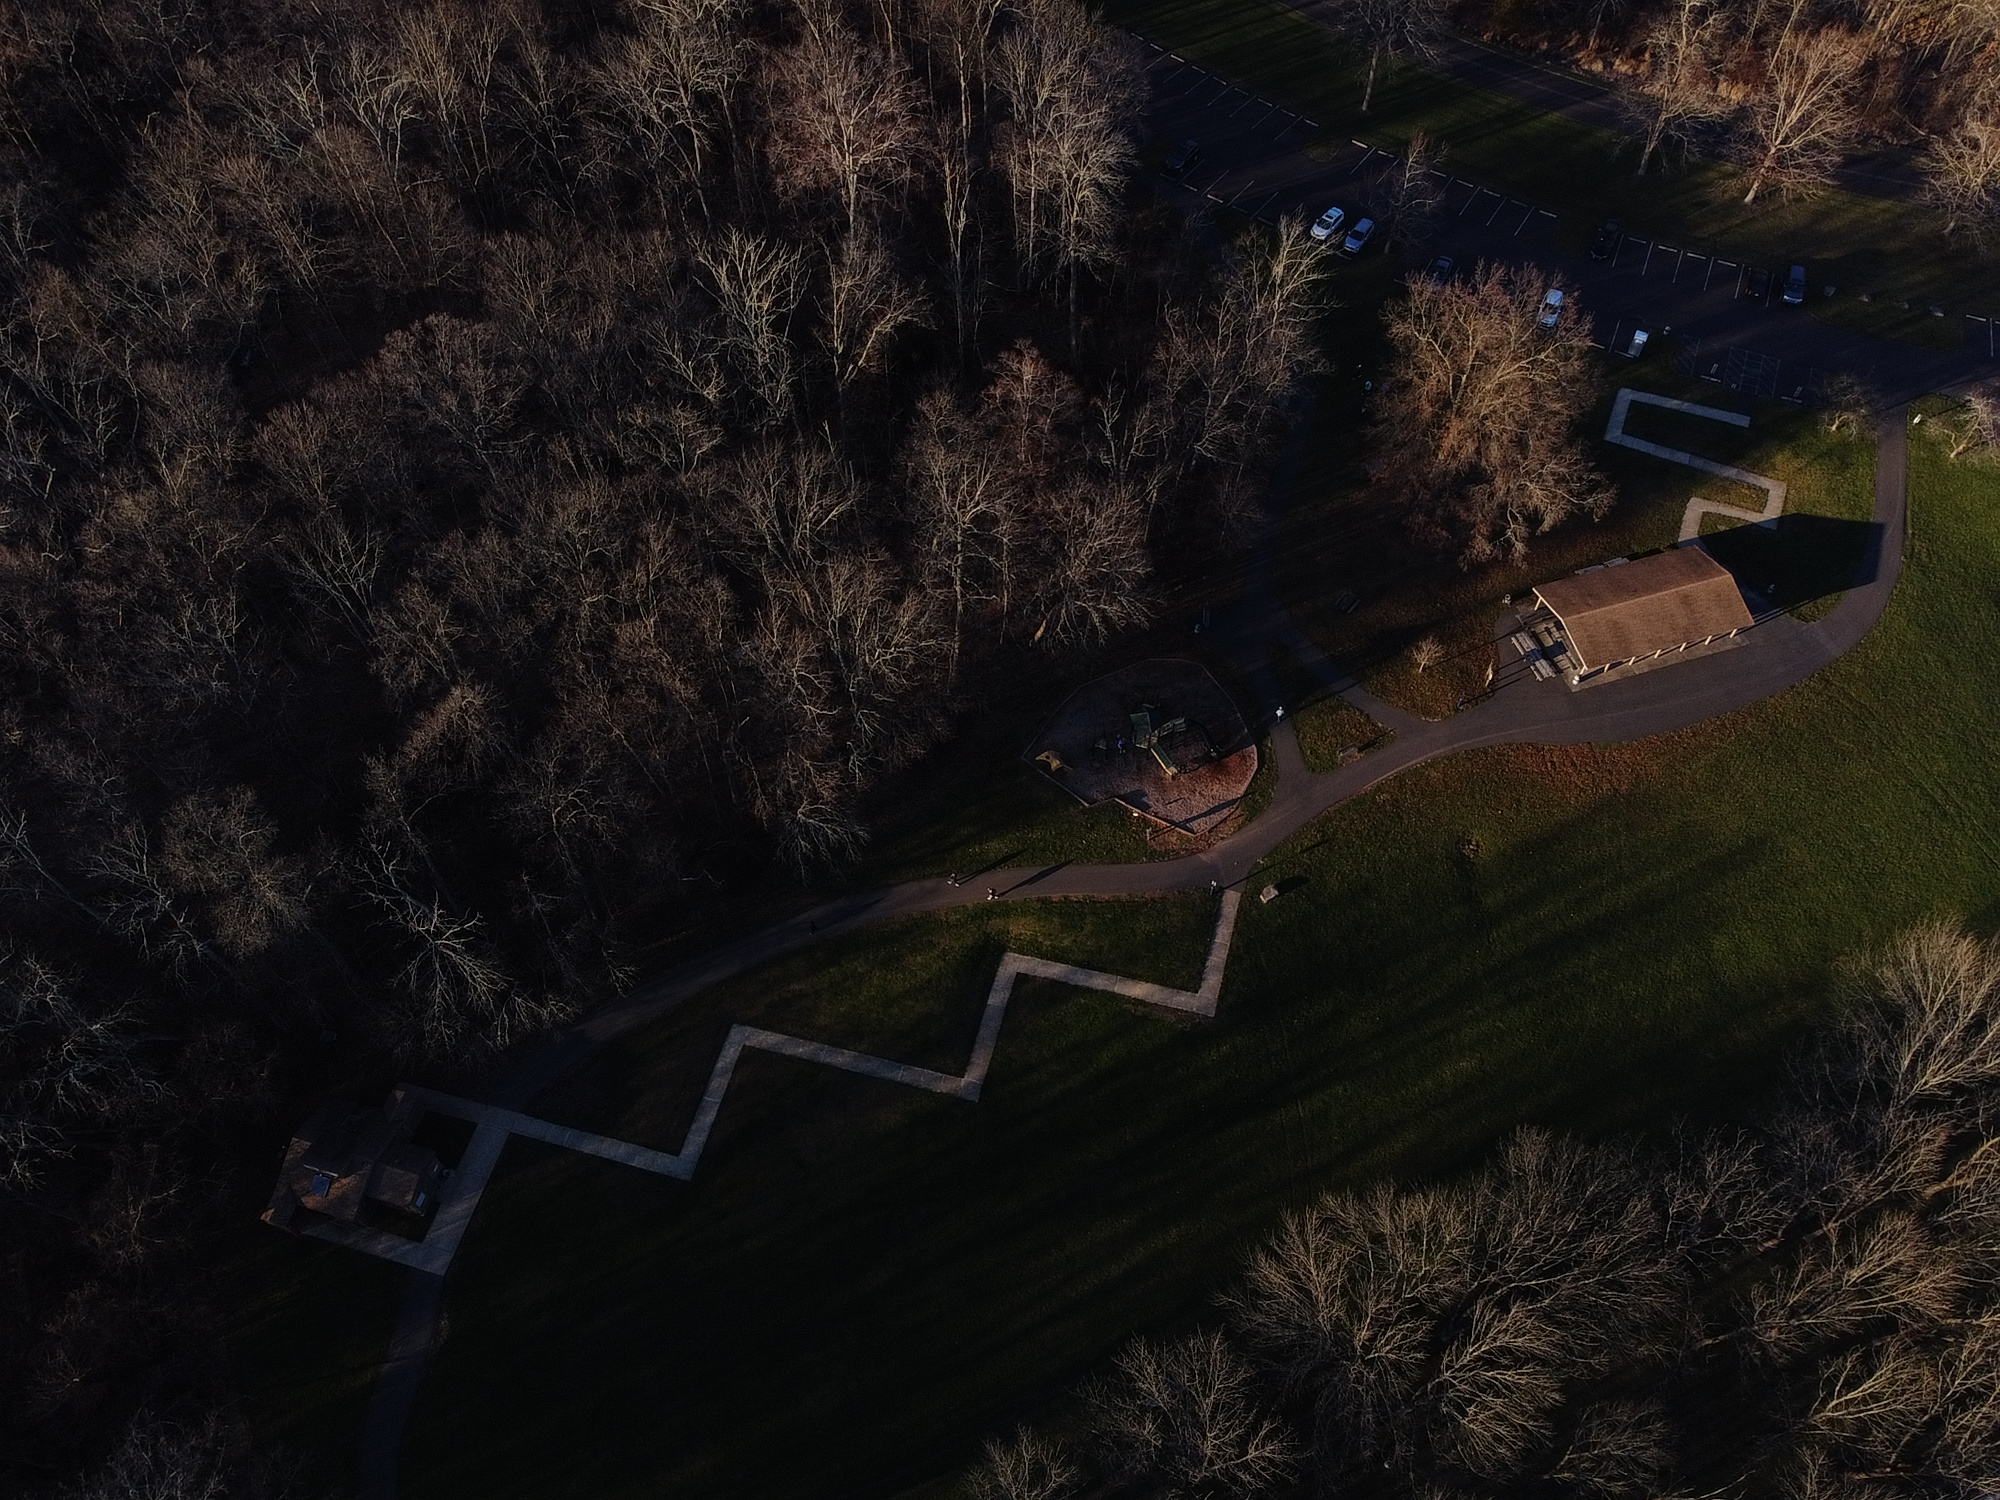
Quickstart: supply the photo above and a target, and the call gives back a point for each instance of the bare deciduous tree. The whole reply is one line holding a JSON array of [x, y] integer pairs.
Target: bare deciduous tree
[[1805, 114], [1026, 1466], [1680, 84], [1962, 174], [1389, 28], [221, 846], [1185, 1414], [846, 120], [1476, 427], [1410, 194], [757, 284]]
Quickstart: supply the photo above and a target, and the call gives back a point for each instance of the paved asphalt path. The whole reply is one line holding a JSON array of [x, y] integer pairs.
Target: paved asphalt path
[[1256, 158]]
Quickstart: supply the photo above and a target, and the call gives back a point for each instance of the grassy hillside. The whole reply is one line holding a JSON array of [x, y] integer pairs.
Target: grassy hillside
[[865, 1280]]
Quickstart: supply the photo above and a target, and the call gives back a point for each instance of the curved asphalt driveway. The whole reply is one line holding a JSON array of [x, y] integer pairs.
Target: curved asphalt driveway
[[1779, 652]]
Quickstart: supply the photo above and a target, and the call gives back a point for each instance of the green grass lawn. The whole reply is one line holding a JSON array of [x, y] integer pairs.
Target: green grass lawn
[[1894, 252], [1331, 728], [865, 1280], [309, 1327]]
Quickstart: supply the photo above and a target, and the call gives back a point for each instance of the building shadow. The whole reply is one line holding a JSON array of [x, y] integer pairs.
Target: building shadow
[[1798, 558]]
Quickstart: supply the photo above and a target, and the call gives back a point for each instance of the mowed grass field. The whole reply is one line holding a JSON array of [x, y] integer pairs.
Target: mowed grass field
[[863, 1281], [1895, 252]]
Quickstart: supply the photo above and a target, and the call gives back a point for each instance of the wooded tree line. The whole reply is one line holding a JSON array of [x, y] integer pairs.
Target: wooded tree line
[[1785, 87], [1809, 1309], [474, 470]]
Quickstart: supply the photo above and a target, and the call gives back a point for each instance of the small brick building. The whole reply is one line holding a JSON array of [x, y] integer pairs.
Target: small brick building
[[1612, 616], [349, 1160]]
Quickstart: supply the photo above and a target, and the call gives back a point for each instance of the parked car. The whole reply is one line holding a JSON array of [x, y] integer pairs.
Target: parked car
[[1438, 272], [1358, 237], [1608, 239], [1795, 287], [1637, 346], [1552, 307], [1327, 225], [1186, 154], [1757, 285]]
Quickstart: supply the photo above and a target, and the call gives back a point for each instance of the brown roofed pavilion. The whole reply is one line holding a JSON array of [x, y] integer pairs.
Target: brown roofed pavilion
[[1672, 599]]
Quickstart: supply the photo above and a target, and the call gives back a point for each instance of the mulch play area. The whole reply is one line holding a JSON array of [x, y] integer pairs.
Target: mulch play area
[[1160, 736]]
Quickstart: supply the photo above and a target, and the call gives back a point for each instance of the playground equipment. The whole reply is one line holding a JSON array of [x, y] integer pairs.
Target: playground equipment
[[1146, 737]]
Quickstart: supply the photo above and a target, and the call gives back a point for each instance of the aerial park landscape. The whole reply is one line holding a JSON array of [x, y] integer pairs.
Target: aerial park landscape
[[944, 749]]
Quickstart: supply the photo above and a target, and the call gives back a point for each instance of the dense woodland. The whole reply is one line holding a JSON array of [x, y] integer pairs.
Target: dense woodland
[[1808, 1310], [474, 473]]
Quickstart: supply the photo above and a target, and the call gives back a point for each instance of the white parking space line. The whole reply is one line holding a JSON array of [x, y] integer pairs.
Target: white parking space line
[[1228, 88], [1264, 205], [1496, 210], [1259, 125], [1241, 191], [1248, 100], [1648, 264], [1525, 217], [1545, 213], [1310, 124]]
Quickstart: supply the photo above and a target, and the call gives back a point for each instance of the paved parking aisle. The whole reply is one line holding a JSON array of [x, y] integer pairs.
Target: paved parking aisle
[[1255, 160]]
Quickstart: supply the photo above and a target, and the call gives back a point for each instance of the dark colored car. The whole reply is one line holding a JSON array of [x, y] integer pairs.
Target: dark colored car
[[1757, 285], [1608, 239], [1186, 154], [1795, 287], [1358, 237], [1438, 272]]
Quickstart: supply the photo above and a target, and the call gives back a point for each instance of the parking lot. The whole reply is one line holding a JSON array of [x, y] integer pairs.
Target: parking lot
[[1262, 160]]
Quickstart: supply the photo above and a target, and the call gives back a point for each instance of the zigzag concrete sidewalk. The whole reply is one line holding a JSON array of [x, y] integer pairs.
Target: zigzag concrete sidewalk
[[1774, 490], [493, 1124]]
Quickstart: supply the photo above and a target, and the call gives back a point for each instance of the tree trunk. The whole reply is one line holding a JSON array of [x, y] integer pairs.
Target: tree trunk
[[1757, 178], [1653, 138], [1368, 93]]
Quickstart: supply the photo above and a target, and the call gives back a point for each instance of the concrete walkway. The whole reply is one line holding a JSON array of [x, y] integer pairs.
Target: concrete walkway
[[1774, 490], [493, 1124], [1777, 653]]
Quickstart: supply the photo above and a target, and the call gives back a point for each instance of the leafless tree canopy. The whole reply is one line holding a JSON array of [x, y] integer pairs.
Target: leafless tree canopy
[[1476, 426], [1805, 1310], [480, 479]]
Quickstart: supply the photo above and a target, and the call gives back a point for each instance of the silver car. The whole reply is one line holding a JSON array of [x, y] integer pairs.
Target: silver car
[[1327, 225]]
